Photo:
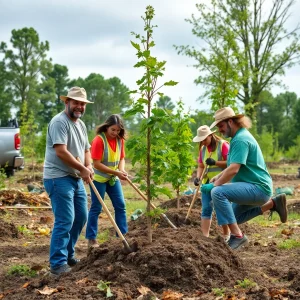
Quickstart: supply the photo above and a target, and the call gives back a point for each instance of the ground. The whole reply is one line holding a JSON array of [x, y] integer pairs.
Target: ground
[[178, 264]]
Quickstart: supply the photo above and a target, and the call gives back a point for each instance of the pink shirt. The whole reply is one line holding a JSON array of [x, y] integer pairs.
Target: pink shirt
[[225, 150]]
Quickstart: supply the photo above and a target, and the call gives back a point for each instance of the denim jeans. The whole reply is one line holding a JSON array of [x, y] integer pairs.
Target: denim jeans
[[69, 206], [115, 194], [236, 202]]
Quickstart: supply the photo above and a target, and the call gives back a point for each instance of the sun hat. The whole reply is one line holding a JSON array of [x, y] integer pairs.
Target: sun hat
[[223, 114], [202, 133], [76, 93]]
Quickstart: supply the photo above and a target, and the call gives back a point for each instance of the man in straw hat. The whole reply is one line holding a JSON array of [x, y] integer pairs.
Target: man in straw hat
[[66, 140], [250, 188]]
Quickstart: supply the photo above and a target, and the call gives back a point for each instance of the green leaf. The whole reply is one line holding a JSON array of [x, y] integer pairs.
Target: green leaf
[[139, 64], [109, 293], [160, 94], [132, 92], [135, 45], [151, 61], [152, 44], [142, 101], [170, 83], [146, 53]]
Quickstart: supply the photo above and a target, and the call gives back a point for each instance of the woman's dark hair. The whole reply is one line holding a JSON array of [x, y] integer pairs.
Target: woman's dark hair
[[110, 121]]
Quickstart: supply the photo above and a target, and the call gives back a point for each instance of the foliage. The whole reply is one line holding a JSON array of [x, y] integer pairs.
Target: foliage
[[40, 145], [25, 65], [149, 150], [246, 283], [28, 130], [21, 270], [294, 151], [104, 286], [110, 96], [155, 213], [240, 55], [179, 161], [2, 178], [5, 96], [60, 76]]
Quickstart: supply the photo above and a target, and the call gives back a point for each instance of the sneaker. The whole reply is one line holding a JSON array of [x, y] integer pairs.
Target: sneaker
[[226, 238], [280, 207], [235, 243], [73, 261], [60, 270], [93, 244]]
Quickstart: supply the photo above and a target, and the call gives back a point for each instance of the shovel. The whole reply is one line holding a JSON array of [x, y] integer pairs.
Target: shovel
[[127, 248], [196, 192], [152, 205]]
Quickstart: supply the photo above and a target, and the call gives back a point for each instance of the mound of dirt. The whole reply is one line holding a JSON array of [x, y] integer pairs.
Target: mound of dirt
[[8, 230], [179, 260]]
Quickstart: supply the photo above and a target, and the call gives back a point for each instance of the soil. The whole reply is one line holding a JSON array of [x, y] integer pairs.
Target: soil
[[178, 264]]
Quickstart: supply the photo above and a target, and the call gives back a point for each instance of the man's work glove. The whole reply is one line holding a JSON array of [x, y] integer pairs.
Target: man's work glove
[[210, 161], [206, 188], [196, 181]]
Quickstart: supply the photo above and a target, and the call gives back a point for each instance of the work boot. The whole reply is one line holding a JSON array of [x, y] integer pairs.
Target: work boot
[[93, 244], [60, 270], [235, 243], [280, 207], [72, 261]]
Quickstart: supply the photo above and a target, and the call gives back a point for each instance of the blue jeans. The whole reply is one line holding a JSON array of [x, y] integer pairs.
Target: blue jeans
[[69, 206], [236, 202], [115, 194]]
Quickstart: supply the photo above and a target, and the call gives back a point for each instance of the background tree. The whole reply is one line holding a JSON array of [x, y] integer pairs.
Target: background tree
[[165, 103], [6, 98], [60, 76], [109, 96], [253, 33], [28, 131], [24, 64]]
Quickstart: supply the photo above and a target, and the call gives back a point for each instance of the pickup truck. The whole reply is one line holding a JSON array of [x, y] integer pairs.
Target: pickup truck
[[10, 145]]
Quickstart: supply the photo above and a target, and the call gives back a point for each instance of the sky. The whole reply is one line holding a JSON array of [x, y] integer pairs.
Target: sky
[[93, 36]]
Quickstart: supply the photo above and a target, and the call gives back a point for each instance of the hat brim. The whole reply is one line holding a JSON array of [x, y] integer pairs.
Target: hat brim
[[197, 139], [64, 98], [221, 120]]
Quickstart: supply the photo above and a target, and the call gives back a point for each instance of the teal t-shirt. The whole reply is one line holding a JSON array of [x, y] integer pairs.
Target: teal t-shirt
[[244, 150]]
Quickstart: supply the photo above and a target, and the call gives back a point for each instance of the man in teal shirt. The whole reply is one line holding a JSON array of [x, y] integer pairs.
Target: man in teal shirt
[[243, 190]]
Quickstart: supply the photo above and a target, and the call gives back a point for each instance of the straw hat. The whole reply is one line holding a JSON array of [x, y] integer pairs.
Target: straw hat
[[202, 133], [223, 114], [76, 93]]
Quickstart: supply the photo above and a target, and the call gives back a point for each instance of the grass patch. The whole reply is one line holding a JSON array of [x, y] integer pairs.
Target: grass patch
[[246, 283], [103, 236], [21, 270], [264, 221], [131, 206], [284, 170], [289, 244], [293, 216], [219, 292], [24, 230]]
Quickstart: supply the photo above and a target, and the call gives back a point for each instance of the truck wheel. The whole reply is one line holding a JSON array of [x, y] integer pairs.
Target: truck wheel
[[10, 172]]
